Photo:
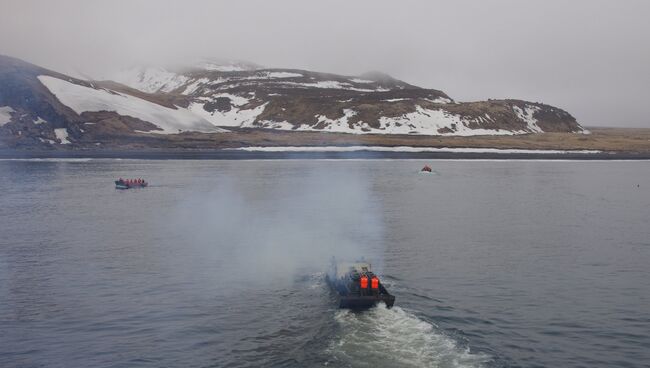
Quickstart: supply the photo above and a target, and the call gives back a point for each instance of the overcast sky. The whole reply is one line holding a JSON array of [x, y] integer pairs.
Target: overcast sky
[[589, 57]]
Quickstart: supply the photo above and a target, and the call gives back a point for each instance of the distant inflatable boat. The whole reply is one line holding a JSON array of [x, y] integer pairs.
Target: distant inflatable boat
[[357, 286], [130, 183], [426, 168]]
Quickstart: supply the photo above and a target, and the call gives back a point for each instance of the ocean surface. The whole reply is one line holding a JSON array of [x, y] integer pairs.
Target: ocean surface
[[222, 263]]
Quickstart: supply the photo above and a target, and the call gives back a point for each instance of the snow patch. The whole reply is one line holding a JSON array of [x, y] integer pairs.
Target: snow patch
[[283, 75], [62, 135], [220, 80], [280, 125], [235, 117], [256, 76], [340, 125], [150, 80], [440, 100], [430, 122], [358, 80], [326, 84], [223, 68], [234, 99], [527, 115], [194, 86], [80, 98], [400, 149], [5, 114], [335, 85], [47, 140], [39, 121]]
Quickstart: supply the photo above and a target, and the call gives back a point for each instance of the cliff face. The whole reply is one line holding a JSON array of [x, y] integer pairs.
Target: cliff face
[[42, 107]]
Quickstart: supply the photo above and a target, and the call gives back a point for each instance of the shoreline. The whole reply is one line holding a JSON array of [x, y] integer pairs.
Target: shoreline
[[342, 155]]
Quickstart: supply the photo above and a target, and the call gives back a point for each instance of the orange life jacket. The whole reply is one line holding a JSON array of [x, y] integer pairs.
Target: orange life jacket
[[364, 282]]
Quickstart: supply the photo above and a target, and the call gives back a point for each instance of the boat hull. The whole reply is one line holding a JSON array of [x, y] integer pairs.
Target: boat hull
[[365, 302], [119, 185]]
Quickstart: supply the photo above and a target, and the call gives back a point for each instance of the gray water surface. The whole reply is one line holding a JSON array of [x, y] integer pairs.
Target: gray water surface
[[221, 263]]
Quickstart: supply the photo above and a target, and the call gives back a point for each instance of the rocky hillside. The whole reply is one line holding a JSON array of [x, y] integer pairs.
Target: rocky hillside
[[42, 107]]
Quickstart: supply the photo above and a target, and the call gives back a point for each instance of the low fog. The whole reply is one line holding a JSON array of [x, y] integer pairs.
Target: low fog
[[588, 57], [256, 233]]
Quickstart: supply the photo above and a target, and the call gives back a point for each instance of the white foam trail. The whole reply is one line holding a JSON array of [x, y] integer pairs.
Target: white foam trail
[[384, 337]]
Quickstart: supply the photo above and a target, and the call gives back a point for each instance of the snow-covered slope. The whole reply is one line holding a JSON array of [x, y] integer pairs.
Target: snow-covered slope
[[82, 99]]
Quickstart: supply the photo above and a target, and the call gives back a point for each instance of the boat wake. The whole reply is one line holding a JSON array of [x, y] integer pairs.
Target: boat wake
[[384, 337]]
